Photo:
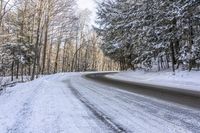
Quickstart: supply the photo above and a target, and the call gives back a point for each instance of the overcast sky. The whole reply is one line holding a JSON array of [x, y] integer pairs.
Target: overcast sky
[[89, 4]]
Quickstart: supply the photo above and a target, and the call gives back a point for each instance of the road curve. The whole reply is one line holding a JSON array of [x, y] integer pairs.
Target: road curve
[[176, 95]]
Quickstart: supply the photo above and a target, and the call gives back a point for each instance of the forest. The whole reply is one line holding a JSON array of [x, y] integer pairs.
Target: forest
[[39, 37], [151, 33]]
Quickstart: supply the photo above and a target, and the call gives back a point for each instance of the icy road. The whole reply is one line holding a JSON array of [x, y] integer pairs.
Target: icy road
[[71, 103]]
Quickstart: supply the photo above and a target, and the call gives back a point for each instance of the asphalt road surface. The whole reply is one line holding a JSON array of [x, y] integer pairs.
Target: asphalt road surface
[[184, 97], [134, 107]]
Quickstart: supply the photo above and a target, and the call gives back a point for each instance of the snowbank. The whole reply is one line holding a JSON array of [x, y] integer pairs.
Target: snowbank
[[7, 80], [181, 79]]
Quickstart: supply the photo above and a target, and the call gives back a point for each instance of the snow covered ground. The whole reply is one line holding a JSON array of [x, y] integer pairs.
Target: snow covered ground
[[4, 81], [45, 105], [68, 103], [181, 79]]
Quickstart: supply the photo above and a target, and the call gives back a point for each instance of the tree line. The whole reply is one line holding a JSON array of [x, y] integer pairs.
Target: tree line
[[47, 36], [145, 33]]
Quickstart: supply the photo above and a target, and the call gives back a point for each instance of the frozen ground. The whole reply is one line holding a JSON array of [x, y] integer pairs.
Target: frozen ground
[[68, 103], [45, 105], [5, 81], [181, 79]]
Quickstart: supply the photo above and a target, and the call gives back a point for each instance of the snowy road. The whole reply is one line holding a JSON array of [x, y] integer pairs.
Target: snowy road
[[69, 103], [179, 95]]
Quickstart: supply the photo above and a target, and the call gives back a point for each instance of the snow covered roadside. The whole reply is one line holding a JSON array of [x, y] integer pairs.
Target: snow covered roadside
[[6, 81], [182, 79], [46, 105]]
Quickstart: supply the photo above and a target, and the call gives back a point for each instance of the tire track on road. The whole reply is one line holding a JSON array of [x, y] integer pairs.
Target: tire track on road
[[100, 115]]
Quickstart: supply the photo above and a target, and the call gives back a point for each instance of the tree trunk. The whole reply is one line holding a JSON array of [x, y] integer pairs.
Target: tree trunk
[[12, 71], [64, 57], [17, 73], [49, 57], [172, 56], [37, 43], [56, 60], [22, 73], [45, 45]]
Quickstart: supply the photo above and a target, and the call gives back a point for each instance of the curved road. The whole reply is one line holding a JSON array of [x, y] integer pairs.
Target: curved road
[[177, 95], [85, 103], [140, 109]]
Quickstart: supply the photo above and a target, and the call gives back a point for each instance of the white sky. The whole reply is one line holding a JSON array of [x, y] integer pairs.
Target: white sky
[[89, 4]]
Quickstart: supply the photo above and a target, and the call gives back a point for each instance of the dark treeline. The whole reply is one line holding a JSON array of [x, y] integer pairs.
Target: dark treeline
[[142, 33]]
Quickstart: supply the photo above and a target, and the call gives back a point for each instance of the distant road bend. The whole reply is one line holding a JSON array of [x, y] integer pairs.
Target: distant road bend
[[176, 95]]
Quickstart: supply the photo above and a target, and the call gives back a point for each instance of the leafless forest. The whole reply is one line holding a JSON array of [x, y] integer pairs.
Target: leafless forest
[[48, 36]]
